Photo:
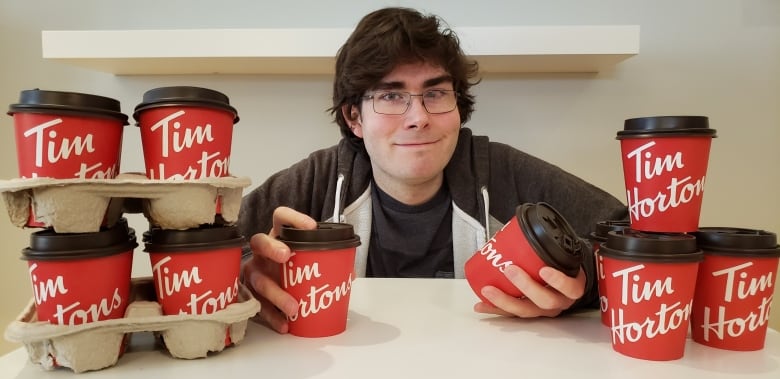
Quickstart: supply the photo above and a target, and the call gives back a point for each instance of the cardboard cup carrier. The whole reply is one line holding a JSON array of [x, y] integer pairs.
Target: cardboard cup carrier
[[664, 167], [735, 286], [319, 275], [535, 237], [650, 280]]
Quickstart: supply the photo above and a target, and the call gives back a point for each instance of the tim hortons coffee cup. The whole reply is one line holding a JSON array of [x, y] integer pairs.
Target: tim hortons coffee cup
[[664, 167], [79, 278], [186, 132], [734, 288], [597, 238], [319, 275], [535, 237], [195, 271], [67, 135], [650, 280]]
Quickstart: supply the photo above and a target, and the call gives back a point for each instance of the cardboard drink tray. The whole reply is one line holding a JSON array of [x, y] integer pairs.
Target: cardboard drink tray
[[100, 344], [81, 206]]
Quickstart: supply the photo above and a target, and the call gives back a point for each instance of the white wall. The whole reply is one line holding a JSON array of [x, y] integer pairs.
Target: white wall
[[719, 58]]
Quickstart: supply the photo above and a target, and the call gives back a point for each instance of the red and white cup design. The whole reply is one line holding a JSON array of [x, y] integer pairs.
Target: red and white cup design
[[87, 281], [664, 169], [650, 294], [67, 135], [734, 288], [319, 275], [537, 236], [195, 271], [597, 238], [186, 133]]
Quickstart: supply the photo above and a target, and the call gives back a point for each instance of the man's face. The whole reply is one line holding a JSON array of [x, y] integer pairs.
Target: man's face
[[412, 148]]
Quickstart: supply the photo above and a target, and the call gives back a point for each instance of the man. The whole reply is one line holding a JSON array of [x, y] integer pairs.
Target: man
[[421, 191]]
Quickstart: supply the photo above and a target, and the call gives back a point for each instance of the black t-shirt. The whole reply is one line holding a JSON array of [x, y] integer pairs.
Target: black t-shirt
[[411, 241]]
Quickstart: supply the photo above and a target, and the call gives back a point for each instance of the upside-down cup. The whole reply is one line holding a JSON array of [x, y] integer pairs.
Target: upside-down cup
[[319, 275], [186, 132], [650, 280], [597, 238], [67, 135], [79, 278], [195, 271], [664, 168], [535, 237], [734, 288]]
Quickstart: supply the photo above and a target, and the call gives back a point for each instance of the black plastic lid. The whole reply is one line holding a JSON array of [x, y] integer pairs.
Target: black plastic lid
[[205, 238], [554, 240], [72, 103], [635, 245], [669, 126], [184, 96], [737, 241], [604, 227], [327, 236], [50, 245]]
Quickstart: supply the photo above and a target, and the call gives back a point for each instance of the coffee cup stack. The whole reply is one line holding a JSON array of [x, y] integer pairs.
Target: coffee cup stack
[[68, 137], [187, 134], [76, 278], [659, 279]]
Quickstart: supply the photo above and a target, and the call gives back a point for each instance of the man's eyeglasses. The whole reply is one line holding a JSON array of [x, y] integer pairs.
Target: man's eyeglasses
[[434, 101]]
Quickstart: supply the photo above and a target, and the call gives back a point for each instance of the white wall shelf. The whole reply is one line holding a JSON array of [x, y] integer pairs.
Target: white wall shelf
[[499, 49]]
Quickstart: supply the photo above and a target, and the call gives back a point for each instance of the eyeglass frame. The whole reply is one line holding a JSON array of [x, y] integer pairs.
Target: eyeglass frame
[[409, 102]]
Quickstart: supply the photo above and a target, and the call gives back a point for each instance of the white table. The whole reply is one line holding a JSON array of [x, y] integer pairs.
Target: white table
[[425, 328]]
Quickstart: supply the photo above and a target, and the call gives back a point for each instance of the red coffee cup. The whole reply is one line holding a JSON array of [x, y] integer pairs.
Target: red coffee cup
[[195, 271], [186, 132], [734, 288], [80, 278], [597, 238], [319, 275], [664, 167], [535, 237], [67, 135], [650, 280]]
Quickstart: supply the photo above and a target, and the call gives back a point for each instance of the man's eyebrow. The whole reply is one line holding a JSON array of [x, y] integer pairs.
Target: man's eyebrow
[[427, 83]]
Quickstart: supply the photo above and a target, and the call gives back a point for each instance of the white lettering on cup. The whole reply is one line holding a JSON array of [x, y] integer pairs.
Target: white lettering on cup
[[318, 298], [206, 303], [744, 289], [736, 326], [669, 318], [492, 255], [679, 191], [640, 291], [89, 314], [740, 285], [54, 152], [173, 140], [45, 289], [300, 274], [648, 168], [170, 283]]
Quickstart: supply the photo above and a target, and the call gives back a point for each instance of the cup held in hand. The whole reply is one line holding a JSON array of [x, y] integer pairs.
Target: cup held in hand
[[535, 237], [319, 275]]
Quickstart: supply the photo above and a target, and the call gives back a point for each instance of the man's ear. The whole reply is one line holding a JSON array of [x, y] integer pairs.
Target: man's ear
[[351, 114]]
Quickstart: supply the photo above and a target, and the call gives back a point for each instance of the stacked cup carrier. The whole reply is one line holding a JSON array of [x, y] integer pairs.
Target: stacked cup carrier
[[661, 276], [85, 304]]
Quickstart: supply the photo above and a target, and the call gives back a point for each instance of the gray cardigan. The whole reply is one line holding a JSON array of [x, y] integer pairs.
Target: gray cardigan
[[481, 175]]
